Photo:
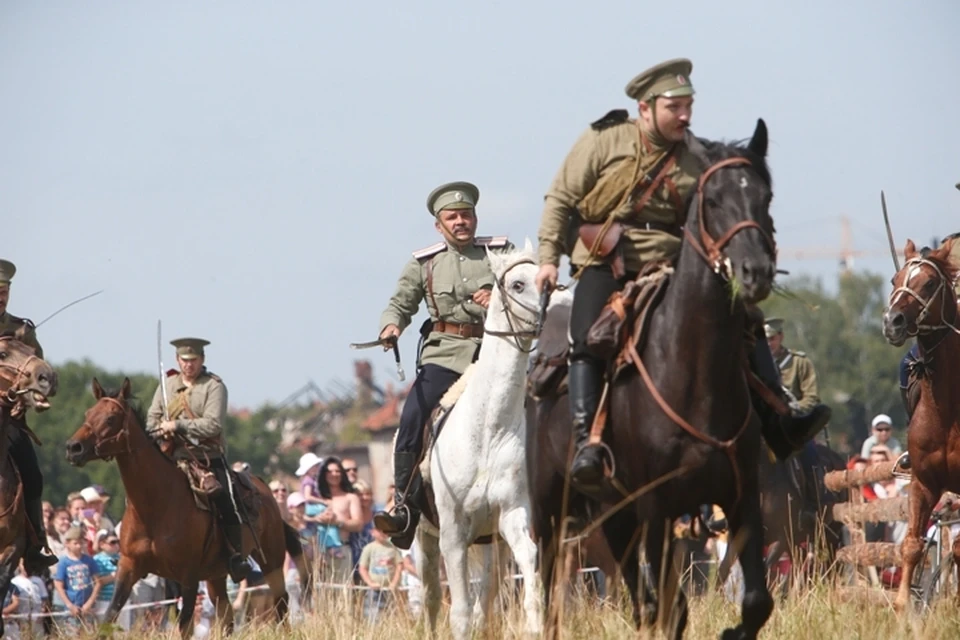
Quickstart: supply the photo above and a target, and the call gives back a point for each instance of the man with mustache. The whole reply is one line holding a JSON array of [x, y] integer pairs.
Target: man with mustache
[[639, 172], [454, 277], [21, 447]]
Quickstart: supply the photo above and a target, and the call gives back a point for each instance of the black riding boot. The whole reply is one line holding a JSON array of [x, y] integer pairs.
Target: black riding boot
[[785, 435], [585, 384], [401, 523], [35, 555], [237, 565]]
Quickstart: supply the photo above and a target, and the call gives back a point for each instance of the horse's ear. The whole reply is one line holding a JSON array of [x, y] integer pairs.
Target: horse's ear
[[527, 245], [20, 334], [758, 143], [495, 260], [125, 389], [909, 250], [97, 389]]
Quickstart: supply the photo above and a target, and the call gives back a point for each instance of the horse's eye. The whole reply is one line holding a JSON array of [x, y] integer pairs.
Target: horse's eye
[[3, 355], [711, 202], [517, 286]]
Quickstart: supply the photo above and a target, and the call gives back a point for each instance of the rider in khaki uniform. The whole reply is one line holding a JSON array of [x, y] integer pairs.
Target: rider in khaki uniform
[[196, 411], [454, 278], [21, 446], [639, 173]]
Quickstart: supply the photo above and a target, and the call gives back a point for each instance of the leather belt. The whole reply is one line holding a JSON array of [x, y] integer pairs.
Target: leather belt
[[457, 329], [672, 229]]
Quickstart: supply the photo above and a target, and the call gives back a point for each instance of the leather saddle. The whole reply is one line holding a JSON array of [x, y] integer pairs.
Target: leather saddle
[[206, 488]]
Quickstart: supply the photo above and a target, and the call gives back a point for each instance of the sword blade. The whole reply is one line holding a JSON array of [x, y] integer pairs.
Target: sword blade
[[373, 343], [886, 222], [163, 383]]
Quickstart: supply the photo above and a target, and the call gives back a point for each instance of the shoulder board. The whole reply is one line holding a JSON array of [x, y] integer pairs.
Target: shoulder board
[[494, 242], [430, 251], [617, 116], [172, 372], [802, 354], [215, 377], [16, 320], [950, 237]]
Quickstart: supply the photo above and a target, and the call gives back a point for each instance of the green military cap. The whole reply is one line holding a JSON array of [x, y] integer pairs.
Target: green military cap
[[189, 348], [7, 269], [773, 326], [670, 79], [453, 195]]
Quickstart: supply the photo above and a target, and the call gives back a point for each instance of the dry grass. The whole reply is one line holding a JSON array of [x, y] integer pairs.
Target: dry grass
[[816, 611]]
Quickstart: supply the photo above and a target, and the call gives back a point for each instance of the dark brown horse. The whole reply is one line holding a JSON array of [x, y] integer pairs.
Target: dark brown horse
[[694, 419], [163, 531], [923, 303], [26, 382]]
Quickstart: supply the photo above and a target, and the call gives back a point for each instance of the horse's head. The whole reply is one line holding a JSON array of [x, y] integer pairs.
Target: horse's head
[[27, 381], [514, 310], [923, 299], [729, 216], [104, 432]]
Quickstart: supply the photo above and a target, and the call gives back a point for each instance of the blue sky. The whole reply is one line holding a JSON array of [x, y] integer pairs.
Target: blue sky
[[255, 173]]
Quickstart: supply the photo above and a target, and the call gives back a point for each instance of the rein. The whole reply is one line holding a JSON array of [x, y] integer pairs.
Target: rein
[[512, 318], [942, 290], [711, 251]]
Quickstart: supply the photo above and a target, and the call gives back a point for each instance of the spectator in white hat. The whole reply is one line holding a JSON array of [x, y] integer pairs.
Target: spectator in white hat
[[882, 435], [307, 472], [96, 497]]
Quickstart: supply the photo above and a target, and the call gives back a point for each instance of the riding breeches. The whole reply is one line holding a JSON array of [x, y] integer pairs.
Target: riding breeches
[[432, 382], [21, 449], [912, 356], [225, 501], [594, 289]]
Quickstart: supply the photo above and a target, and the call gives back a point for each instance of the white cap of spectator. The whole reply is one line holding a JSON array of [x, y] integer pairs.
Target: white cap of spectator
[[308, 461], [294, 500], [90, 494], [882, 418]]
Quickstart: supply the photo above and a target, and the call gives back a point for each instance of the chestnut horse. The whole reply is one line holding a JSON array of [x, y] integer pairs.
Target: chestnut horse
[[26, 382], [163, 531], [923, 303]]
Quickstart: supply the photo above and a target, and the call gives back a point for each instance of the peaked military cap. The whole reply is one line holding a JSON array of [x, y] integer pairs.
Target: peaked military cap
[[453, 195], [189, 348], [773, 326], [7, 269], [670, 79]]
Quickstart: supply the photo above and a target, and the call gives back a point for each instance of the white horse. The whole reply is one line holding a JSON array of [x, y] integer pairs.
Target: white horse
[[477, 467]]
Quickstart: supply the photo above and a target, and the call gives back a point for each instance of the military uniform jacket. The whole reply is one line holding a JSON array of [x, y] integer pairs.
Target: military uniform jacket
[[799, 377], [457, 274], [207, 401], [10, 323], [601, 149]]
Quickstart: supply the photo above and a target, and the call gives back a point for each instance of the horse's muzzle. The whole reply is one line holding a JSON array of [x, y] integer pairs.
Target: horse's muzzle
[[77, 452], [756, 278], [894, 327]]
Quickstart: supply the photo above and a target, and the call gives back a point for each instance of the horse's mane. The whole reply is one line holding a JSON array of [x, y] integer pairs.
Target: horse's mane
[[132, 402], [941, 258]]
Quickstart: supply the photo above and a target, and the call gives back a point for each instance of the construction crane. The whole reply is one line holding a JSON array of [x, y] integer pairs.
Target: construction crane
[[844, 254]]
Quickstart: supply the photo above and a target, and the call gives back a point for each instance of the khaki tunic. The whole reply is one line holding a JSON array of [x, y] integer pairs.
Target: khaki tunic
[[207, 399], [799, 377], [457, 275], [955, 257], [10, 323], [598, 151]]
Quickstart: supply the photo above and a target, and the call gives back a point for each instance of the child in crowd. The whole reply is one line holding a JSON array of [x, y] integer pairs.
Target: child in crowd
[[381, 566], [76, 579]]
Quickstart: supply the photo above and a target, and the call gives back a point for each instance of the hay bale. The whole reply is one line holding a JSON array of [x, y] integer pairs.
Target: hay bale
[[889, 510], [837, 480]]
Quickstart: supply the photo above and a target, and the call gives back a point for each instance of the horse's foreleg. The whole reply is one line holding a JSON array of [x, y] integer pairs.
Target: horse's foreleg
[[428, 568], [746, 523], [515, 529], [922, 501], [454, 547], [277, 584], [128, 574], [188, 600], [217, 590]]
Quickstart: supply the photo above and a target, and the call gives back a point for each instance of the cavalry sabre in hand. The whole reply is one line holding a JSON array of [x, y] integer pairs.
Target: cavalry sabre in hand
[[386, 343]]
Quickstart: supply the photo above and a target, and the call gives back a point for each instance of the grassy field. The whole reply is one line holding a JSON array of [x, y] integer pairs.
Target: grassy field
[[814, 612]]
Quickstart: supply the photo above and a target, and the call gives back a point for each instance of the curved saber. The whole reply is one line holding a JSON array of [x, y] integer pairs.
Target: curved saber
[[386, 343], [67, 306], [886, 221]]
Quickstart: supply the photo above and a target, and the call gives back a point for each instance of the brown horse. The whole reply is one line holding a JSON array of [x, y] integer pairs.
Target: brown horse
[[684, 430], [163, 531], [923, 303], [26, 382]]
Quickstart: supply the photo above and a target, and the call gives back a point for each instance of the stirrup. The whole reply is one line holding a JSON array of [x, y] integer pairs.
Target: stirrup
[[604, 448], [398, 509], [898, 470]]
